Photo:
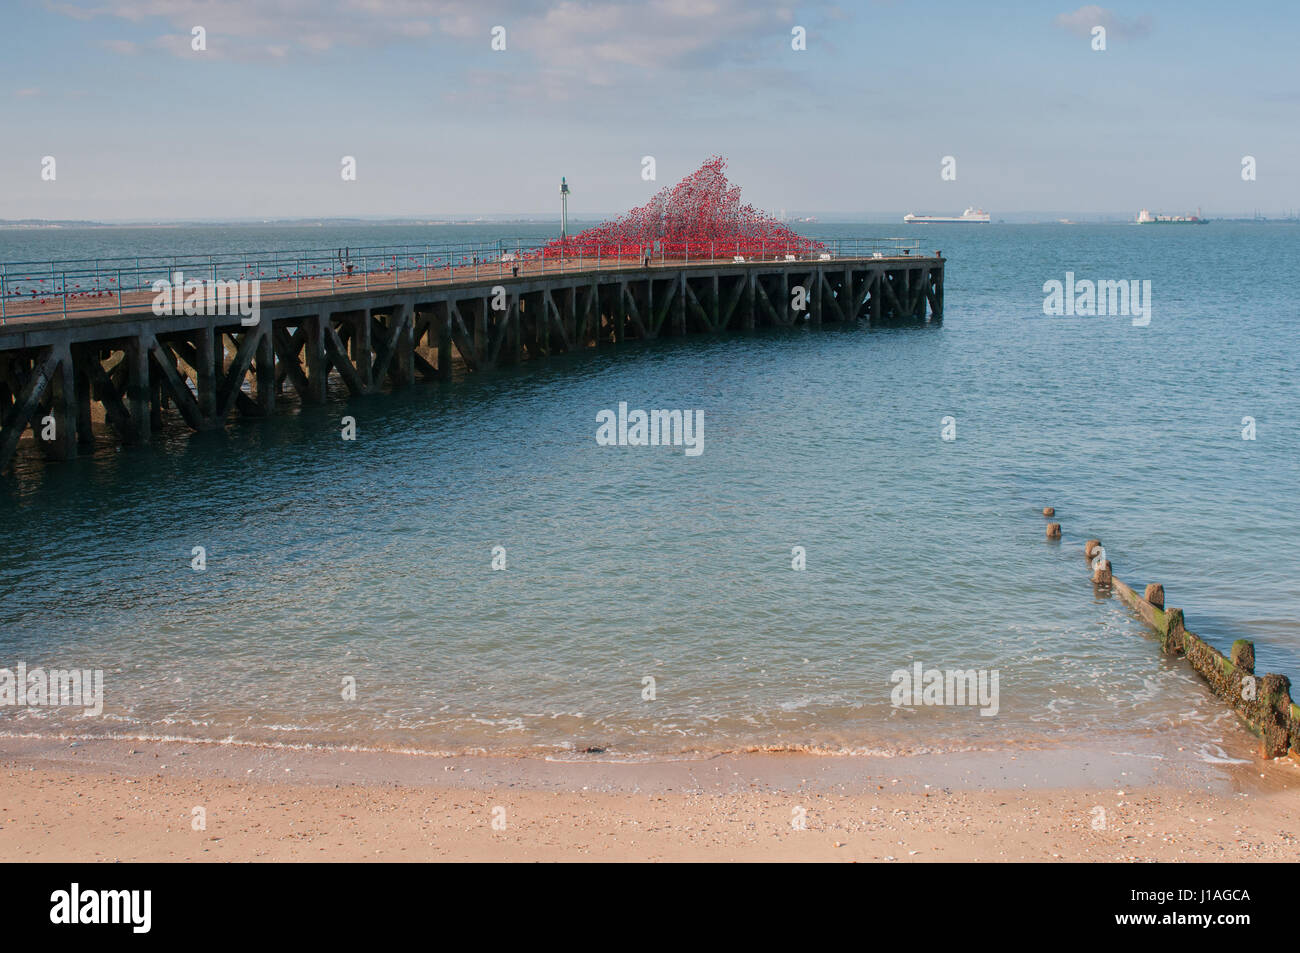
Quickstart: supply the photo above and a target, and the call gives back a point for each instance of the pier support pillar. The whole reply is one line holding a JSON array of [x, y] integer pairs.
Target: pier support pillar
[[314, 348], [815, 298], [571, 317], [679, 313], [155, 399], [481, 333], [85, 425], [28, 394], [514, 341], [137, 388], [205, 351], [264, 368], [362, 349], [402, 334], [444, 345], [568, 316], [542, 322], [63, 409]]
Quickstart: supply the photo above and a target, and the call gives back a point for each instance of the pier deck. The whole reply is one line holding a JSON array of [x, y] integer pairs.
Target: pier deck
[[113, 363]]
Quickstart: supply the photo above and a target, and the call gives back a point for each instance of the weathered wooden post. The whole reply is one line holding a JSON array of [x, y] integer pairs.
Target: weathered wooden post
[[1101, 575], [1274, 709], [444, 341], [404, 359], [137, 387], [481, 333], [619, 312], [679, 319], [156, 395], [815, 298], [85, 387], [1243, 655], [362, 348], [63, 406], [264, 367], [205, 354], [317, 365]]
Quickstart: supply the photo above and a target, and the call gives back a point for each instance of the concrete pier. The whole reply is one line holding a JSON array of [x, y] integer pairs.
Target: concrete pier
[[139, 366]]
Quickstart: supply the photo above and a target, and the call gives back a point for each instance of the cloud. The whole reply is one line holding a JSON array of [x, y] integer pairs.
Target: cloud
[[590, 54], [601, 42], [1082, 21], [27, 93], [251, 29]]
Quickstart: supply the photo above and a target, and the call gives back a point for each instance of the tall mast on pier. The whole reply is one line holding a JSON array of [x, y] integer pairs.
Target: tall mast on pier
[[564, 208]]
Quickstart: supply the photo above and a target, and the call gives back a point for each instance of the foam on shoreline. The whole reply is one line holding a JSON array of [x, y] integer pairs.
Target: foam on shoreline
[[1128, 759]]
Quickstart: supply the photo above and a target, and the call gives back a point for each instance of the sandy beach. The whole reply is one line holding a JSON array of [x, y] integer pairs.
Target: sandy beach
[[120, 801]]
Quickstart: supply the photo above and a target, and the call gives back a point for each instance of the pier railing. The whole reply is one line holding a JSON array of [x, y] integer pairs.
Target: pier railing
[[106, 285]]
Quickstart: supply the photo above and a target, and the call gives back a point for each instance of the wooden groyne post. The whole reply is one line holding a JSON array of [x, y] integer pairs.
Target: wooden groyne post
[[1264, 702]]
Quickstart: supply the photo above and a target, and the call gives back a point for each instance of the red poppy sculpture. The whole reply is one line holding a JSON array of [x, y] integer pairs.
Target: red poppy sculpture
[[701, 216]]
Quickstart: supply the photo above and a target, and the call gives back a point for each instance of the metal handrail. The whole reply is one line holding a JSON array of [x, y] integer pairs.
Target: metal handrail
[[100, 285]]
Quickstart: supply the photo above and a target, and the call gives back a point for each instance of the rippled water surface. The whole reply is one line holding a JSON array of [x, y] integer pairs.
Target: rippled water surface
[[372, 559]]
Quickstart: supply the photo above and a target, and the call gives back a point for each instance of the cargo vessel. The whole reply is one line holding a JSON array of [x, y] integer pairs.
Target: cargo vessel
[[971, 214], [1146, 218]]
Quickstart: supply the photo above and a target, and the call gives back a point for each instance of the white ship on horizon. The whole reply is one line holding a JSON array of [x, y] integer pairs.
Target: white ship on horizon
[[971, 214], [1146, 218]]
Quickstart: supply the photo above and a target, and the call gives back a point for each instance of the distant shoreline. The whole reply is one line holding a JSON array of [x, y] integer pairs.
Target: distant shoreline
[[288, 223], [43, 226]]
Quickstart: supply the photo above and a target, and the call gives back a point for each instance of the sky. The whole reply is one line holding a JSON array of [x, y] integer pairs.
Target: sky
[[143, 126]]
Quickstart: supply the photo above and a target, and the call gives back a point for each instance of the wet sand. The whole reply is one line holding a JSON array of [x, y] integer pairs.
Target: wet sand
[[117, 800]]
